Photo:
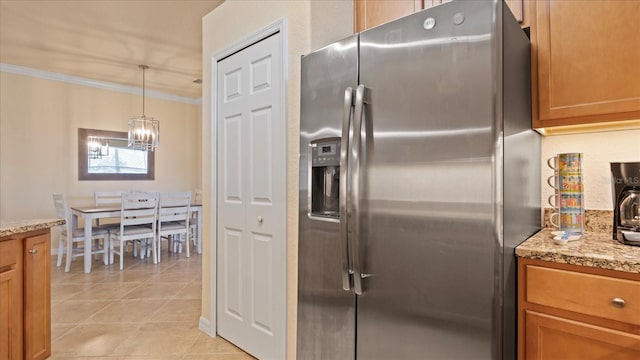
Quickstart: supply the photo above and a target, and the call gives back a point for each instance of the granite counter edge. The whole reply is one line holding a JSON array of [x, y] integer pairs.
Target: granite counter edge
[[597, 250], [12, 227]]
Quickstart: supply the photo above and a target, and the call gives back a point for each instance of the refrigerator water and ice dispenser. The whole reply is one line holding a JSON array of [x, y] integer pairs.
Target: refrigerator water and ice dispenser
[[325, 178]]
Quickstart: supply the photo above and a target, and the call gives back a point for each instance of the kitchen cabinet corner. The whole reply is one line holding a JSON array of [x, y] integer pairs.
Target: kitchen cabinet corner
[[25, 306], [577, 312]]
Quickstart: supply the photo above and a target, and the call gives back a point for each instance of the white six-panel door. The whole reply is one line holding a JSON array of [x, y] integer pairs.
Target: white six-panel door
[[251, 278]]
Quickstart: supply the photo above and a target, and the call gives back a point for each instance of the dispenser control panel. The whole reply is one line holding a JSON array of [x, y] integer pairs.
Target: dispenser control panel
[[324, 179], [325, 153]]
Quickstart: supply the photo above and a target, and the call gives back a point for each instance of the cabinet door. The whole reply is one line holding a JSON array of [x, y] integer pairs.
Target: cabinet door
[[550, 337], [430, 3], [37, 297], [370, 13], [588, 61], [517, 8], [10, 300]]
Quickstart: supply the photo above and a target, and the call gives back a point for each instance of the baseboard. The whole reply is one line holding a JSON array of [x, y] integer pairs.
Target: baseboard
[[205, 326]]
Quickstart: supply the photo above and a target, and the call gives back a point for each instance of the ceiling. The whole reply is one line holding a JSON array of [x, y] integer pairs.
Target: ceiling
[[106, 40]]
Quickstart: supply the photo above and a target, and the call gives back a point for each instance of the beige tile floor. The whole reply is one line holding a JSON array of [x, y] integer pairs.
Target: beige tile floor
[[145, 311]]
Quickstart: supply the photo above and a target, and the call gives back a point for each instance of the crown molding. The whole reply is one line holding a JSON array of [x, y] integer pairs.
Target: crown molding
[[76, 80]]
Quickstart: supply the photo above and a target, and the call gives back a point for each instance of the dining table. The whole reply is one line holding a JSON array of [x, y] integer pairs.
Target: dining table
[[90, 213]]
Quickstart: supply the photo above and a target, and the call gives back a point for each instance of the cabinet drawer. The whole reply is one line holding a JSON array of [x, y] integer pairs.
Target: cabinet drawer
[[584, 293], [8, 254]]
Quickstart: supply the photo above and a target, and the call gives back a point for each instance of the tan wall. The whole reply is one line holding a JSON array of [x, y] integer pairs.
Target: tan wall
[[310, 24], [39, 121], [599, 150]]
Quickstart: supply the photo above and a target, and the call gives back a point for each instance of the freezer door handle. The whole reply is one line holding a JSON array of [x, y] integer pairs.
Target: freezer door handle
[[356, 152], [344, 171]]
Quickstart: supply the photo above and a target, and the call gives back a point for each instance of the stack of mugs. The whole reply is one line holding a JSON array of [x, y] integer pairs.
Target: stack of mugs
[[568, 197]]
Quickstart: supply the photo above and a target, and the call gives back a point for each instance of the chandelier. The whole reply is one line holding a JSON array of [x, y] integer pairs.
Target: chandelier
[[97, 147], [144, 131]]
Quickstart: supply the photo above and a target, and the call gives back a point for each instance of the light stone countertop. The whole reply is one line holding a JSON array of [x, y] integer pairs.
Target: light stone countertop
[[594, 249], [11, 227]]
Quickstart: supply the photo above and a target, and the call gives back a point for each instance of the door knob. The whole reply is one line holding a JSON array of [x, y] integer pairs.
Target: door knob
[[260, 219], [33, 251]]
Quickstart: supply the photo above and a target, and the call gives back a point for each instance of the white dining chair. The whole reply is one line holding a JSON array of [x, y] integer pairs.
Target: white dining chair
[[70, 236], [137, 222], [173, 221], [106, 198], [196, 198], [143, 245]]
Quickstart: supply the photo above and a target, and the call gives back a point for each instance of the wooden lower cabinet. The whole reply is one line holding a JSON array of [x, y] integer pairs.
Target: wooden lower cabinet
[[11, 299], [37, 297], [574, 312], [552, 337], [25, 296]]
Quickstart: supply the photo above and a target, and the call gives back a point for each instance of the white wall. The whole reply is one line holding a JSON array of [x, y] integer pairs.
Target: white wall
[[599, 150], [310, 24]]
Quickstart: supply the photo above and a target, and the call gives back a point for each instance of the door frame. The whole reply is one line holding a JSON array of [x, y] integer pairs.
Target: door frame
[[279, 25]]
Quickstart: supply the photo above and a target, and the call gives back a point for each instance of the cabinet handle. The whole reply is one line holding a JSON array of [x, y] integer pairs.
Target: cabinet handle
[[33, 251], [617, 302]]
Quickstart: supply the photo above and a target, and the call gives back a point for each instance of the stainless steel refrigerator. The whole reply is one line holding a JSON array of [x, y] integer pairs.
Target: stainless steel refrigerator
[[419, 174]]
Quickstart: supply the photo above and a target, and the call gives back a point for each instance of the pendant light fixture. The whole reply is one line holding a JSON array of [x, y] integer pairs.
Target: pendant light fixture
[[97, 147], [144, 131]]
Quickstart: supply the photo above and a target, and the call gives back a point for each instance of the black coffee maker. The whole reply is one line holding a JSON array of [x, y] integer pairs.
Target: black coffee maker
[[625, 179]]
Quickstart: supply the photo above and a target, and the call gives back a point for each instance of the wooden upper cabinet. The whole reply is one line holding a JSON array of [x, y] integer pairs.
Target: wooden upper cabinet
[[518, 10], [370, 13], [429, 3], [585, 61]]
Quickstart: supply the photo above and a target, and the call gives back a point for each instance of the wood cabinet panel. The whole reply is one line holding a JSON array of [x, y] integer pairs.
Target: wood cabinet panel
[[11, 300], [565, 312], [585, 61], [37, 297], [429, 3], [25, 296], [9, 253], [550, 337], [517, 9], [370, 13]]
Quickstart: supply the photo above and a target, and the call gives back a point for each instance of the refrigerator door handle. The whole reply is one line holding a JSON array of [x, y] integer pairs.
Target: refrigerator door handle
[[344, 190], [355, 188]]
